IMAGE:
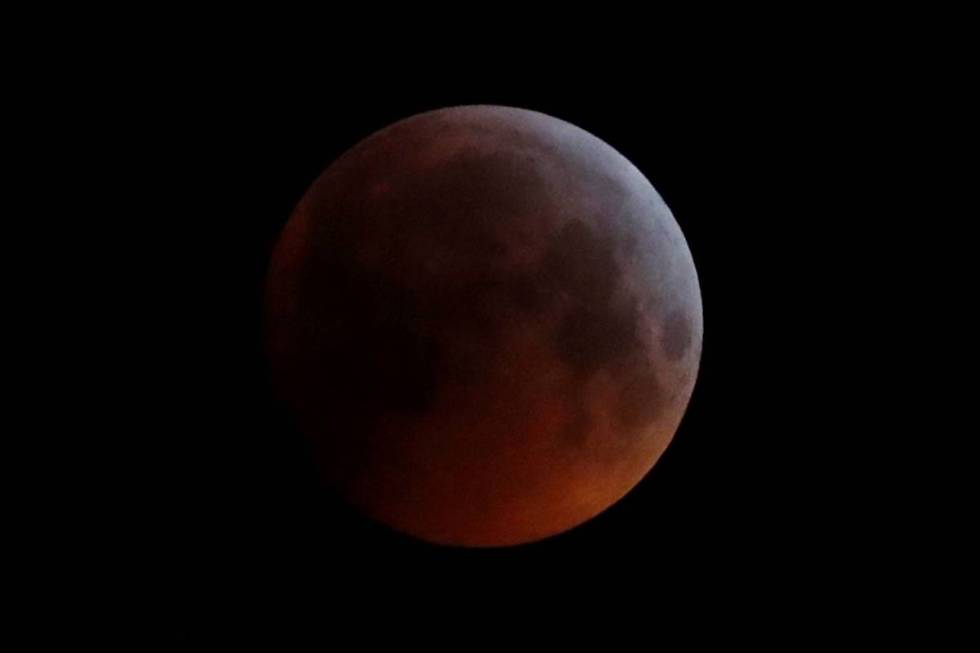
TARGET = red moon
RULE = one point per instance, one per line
(487, 322)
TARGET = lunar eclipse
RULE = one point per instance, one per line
(487, 323)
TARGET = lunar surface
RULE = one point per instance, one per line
(487, 322)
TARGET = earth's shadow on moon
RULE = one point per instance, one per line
(493, 380)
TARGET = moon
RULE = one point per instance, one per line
(487, 322)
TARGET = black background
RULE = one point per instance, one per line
(746, 502)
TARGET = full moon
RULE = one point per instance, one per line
(487, 322)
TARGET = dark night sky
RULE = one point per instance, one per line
(739, 499)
